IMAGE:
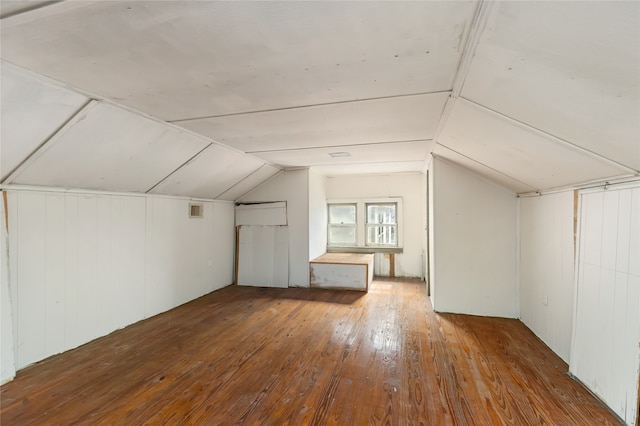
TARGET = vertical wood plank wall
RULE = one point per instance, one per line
(605, 354)
(83, 265)
(546, 269)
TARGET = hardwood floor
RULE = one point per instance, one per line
(304, 356)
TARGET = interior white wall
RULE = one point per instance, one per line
(546, 268)
(7, 358)
(605, 355)
(83, 265)
(474, 232)
(317, 214)
(291, 186)
(409, 186)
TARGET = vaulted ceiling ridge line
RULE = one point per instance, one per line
(75, 118)
(553, 138)
(477, 27)
(306, 148)
(478, 24)
(289, 108)
(533, 188)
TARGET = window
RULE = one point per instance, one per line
(342, 225)
(370, 224)
(382, 226)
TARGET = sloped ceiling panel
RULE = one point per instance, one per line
(243, 56)
(482, 170)
(571, 69)
(523, 154)
(213, 172)
(358, 154)
(264, 173)
(111, 149)
(362, 122)
(31, 112)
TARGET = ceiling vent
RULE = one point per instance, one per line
(195, 210)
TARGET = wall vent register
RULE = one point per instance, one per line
(195, 210)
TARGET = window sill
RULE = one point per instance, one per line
(354, 249)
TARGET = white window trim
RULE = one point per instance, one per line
(341, 225)
(361, 219)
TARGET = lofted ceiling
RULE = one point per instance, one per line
(209, 99)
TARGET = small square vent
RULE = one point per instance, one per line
(195, 210)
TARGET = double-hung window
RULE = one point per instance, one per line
(342, 229)
(373, 224)
(382, 224)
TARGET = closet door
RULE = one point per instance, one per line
(263, 256)
(605, 353)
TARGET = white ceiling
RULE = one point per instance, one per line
(533, 95)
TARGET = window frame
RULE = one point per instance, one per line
(361, 220)
(342, 225)
(369, 225)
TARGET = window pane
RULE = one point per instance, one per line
(342, 213)
(342, 235)
(381, 213)
(381, 235)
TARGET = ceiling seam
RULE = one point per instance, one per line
(556, 139)
(339, 146)
(242, 180)
(357, 164)
(533, 188)
(30, 8)
(75, 118)
(194, 157)
(350, 101)
(48, 80)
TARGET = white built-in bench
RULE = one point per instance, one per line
(344, 271)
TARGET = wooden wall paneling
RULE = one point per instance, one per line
(31, 287)
(264, 256)
(72, 283)
(54, 238)
(88, 300)
(223, 235)
(605, 352)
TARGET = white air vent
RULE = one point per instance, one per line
(195, 210)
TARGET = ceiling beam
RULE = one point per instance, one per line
(477, 26)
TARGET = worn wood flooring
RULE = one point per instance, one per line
(302, 356)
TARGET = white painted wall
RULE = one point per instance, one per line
(317, 214)
(293, 187)
(7, 356)
(605, 351)
(546, 268)
(409, 186)
(474, 231)
(83, 265)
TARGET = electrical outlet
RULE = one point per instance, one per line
(545, 299)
